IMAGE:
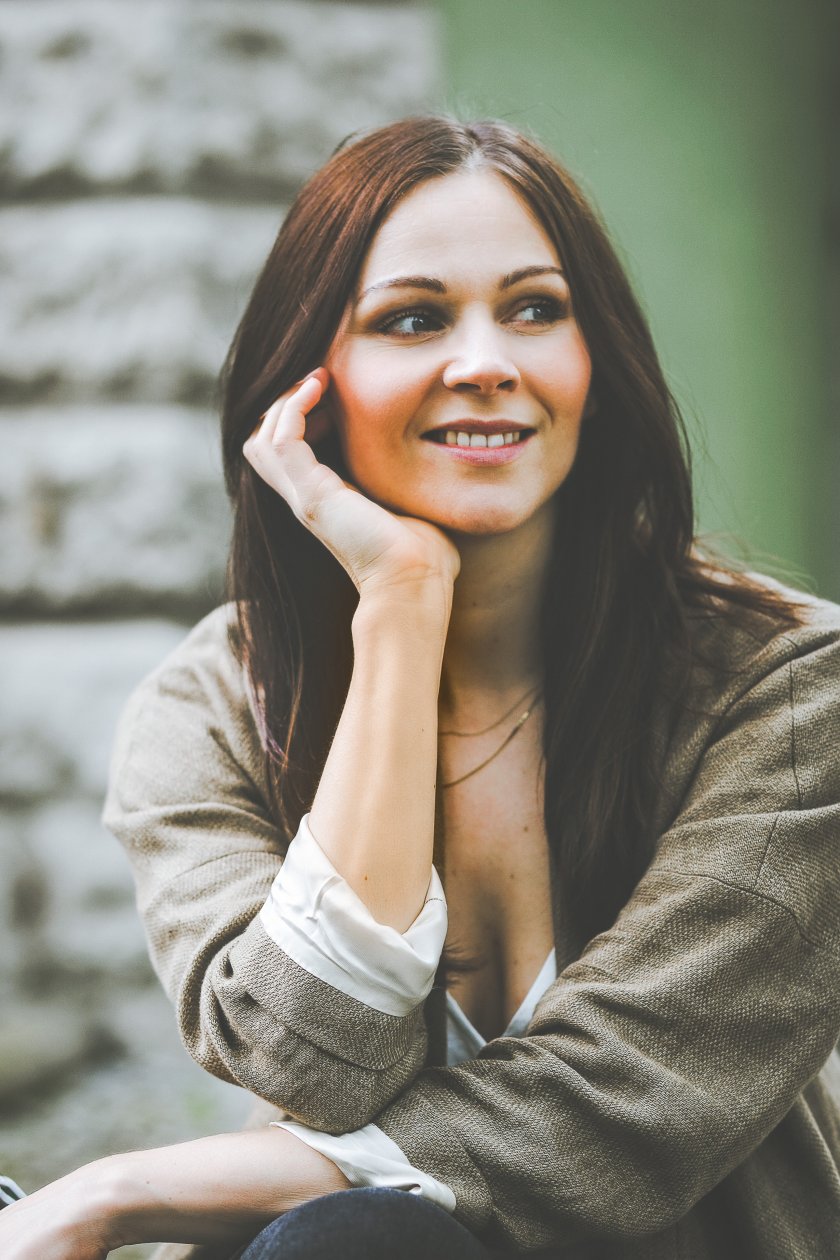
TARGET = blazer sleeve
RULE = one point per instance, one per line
(680, 1038)
(187, 799)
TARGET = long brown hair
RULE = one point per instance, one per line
(624, 574)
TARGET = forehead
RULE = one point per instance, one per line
(466, 221)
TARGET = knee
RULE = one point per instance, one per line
(367, 1223)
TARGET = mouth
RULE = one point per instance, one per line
(484, 445)
(479, 435)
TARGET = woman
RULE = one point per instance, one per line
(474, 664)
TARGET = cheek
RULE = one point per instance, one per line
(579, 362)
(364, 413)
(372, 399)
(572, 388)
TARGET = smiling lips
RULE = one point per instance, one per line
(458, 437)
(481, 442)
(479, 433)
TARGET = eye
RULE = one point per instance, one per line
(542, 310)
(415, 322)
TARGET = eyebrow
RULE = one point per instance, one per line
(431, 285)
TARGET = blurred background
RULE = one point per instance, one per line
(147, 155)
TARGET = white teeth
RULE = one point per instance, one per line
(453, 437)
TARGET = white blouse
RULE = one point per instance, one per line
(314, 916)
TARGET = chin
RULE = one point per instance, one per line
(485, 527)
(490, 522)
(491, 518)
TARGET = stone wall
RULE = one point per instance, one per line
(147, 153)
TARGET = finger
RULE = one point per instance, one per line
(286, 418)
(319, 420)
(302, 394)
(281, 456)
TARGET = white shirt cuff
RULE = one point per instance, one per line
(368, 1157)
(314, 916)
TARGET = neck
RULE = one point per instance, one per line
(493, 651)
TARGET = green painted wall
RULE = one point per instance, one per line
(702, 132)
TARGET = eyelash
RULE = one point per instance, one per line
(556, 309)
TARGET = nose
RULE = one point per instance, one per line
(481, 361)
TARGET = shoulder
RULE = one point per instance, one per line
(204, 671)
(211, 644)
(738, 650)
(750, 784)
(759, 723)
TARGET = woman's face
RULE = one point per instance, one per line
(459, 374)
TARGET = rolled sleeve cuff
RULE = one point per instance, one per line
(314, 916)
(368, 1157)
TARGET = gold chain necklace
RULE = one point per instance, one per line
(498, 720)
(519, 723)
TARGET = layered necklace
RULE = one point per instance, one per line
(534, 695)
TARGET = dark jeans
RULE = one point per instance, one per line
(368, 1223)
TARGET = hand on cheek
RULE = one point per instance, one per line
(320, 420)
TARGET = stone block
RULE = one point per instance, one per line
(203, 95)
(88, 928)
(111, 509)
(125, 299)
(63, 687)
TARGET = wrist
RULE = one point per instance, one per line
(88, 1203)
(418, 609)
(134, 1199)
(116, 1197)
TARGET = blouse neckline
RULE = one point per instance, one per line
(464, 1040)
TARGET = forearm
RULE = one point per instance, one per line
(244, 1005)
(373, 813)
(215, 1189)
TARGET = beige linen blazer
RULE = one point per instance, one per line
(678, 1090)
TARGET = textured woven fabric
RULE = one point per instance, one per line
(678, 1092)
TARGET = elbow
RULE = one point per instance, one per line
(324, 1090)
(337, 1114)
(334, 1095)
(288, 1038)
